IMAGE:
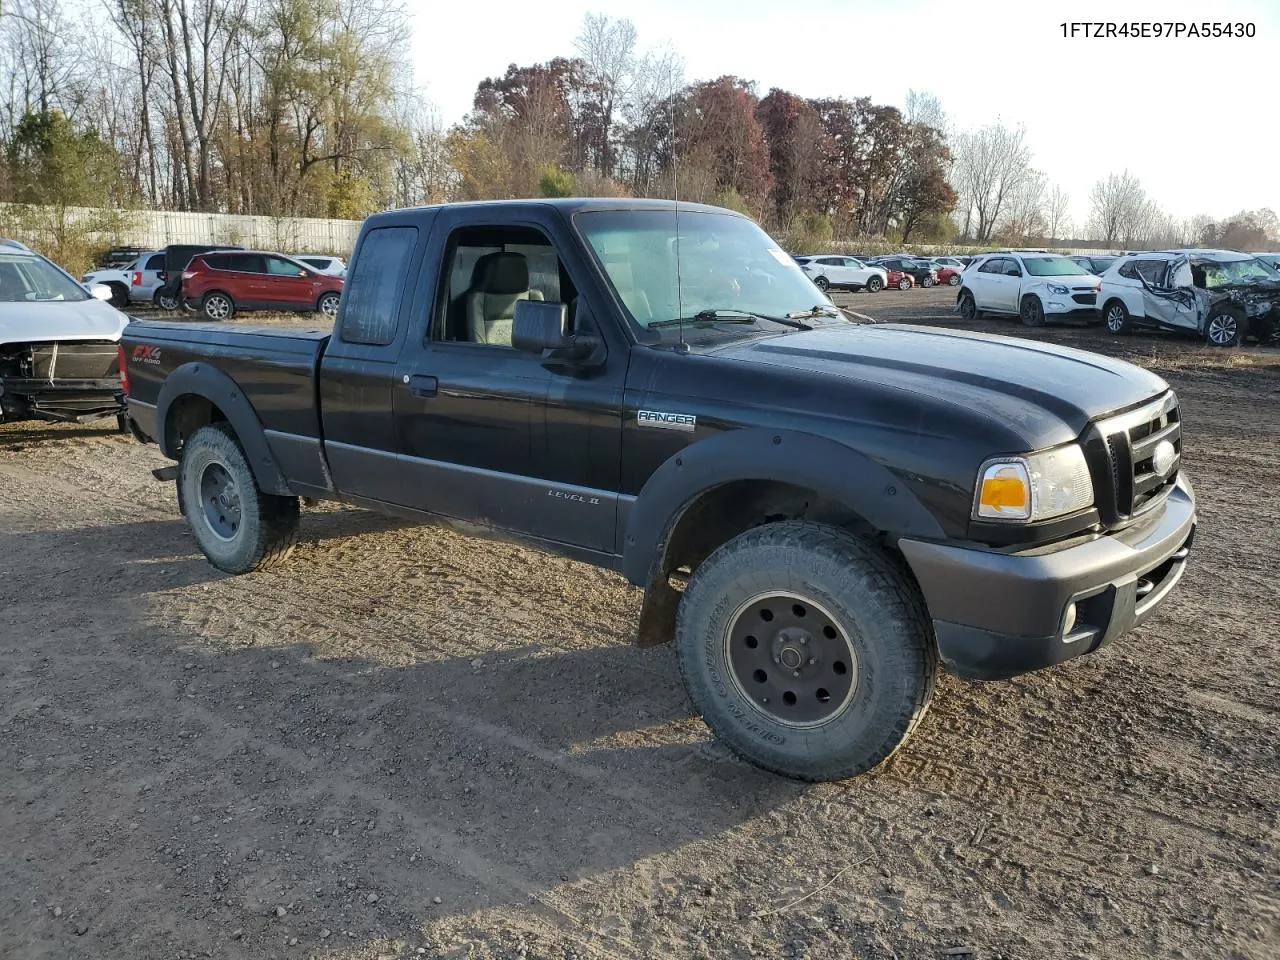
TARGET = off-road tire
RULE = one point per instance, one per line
(268, 527)
(1224, 327)
(1117, 318)
(874, 284)
(1031, 311)
(872, 597)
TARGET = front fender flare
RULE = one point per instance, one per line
(205, 380)
(830, 468)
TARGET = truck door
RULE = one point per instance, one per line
(491, 435)
(358, 370)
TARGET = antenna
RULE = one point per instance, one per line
(681, 346)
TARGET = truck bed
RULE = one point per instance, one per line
(276, 368)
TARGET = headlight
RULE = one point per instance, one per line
(1059, 289)
(1039, 486)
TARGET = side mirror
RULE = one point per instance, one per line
(542, 327)
(100, 291)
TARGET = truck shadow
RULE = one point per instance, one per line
(323, 779)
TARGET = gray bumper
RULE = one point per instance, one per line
(997, 615)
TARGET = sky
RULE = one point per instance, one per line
(1196, 120)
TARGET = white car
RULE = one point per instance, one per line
(1033, 286)
(842, 273)
(952, 262)
(1220, 295)
(117, 281)
(329, 266)
(59, 344)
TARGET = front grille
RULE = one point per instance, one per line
(1122, 458)
(1089, 299)
(85, 360)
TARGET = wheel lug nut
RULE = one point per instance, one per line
(795, 673)
(804, 639)
(812, 661)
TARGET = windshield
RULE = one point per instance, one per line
(725, 263)
(33, 279)
(1052, 267)
(1226, 273)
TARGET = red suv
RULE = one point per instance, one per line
(221, 282)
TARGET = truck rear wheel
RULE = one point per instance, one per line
(807, 650)
(238, 527)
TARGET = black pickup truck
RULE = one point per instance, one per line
(820, 511)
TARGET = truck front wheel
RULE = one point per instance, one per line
(807, 650)
(238, 527)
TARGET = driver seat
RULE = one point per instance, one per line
(498, 281)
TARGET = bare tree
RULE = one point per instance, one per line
(991, 163)
(1119, 208)
(1024, 216)
(607, 47)
(1057, 213)
(925, 108)
(658, 78)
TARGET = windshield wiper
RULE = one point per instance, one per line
(730, 316)
(818, 310)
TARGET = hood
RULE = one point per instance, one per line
(1046, 394)
(90, 319)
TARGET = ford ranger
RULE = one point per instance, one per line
(822, 513)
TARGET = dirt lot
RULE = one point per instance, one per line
(407, 743)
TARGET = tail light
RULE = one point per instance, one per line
(137, 278)
(124, 370)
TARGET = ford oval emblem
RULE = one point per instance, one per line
(1162, 458)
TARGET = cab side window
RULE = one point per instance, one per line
(487, 271)
(1127, 271)
(1151, 271)
(994, 265)
(1012, 268)
(280, 267)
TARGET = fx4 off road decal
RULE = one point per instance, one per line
(145, 353)
(685, 422)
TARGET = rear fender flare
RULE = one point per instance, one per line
(829, 468)
(204, 380)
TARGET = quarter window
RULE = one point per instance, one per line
(371, 300)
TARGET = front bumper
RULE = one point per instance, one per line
(76, 401)
(997, 615)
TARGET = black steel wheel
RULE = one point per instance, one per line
(791, 657)
(238, 526)
(807, 650)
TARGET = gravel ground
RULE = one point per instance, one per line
(406, 743)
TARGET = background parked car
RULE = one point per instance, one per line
(955, 263)
(1221, 295)
(920, 271)
(117, 258)
(842, 273)
(1097, 265)
(220, 283)
(146, 277)
(1032, 286)
(948, 275)
(330, 266)
(117, 281)
(176, 258)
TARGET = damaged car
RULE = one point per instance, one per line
(59, 344)
(1221, 296)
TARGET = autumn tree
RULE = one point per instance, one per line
(799, 151)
